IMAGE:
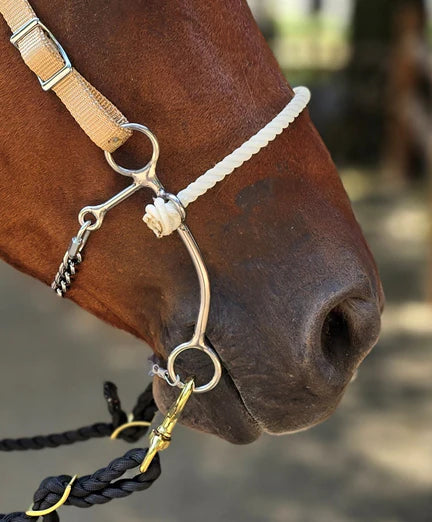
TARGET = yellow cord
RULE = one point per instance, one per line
(65, 496)
(127, 425)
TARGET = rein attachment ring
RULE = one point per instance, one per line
(203, 348)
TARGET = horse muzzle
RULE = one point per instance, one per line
(279, 378)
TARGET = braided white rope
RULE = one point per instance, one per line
(163, 218)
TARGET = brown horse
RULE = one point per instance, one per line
(296, 295)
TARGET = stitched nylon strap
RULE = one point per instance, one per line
(96, 115)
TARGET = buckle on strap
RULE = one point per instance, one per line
(58, 76)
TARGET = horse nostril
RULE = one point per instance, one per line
(349, 332)
(335, 338)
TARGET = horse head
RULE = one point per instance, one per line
(296, 297)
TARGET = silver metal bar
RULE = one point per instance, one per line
(98, 212)
(23, 31)
(198, 341)
(204, 283)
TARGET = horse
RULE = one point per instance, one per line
(296, 295)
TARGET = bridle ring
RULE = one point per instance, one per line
(178, 205)
(203, 348)
(155, 155)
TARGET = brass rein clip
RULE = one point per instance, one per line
(160, 437)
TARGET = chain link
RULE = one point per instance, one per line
(71, 259)
(65, 274)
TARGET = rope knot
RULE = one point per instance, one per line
(162, 217)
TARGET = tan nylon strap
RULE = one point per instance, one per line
(96, 115)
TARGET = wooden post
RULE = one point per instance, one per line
(404, 86)
(429, 272)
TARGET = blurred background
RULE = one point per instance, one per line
(369, 66)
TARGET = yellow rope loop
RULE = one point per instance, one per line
(132, 424)
(65, 496)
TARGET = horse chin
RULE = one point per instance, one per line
(223, 412)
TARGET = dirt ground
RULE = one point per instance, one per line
(371, 462)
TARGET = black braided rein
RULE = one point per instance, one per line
(105, 484)
(98, 488)
(144, 410)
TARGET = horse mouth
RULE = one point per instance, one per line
(276, 396)
(225, 411)
(221, 411)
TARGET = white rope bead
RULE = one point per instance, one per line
(163, 218)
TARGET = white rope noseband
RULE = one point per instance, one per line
(163, 217)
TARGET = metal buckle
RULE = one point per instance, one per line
(57, 77)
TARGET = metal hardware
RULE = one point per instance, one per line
(160, 438)
(163, 374)
(198, 339)
(65, 496)
(208, 351)
(175, 201)
(58, 76)
(148, 170)
(91, 217)
(146, 177)
(71, 259)
(24, 30)
(98, 212)
(126, 425)
(79, 241)
(143, 177)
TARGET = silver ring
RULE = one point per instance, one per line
(155, 156)
(84, 227)
(208, 351)
(92, 225)
(167, 196)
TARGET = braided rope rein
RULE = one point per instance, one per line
(162, 216)
(105, 484)
(144, 410)
(100, 487)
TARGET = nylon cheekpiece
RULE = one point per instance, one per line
(96, 115)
